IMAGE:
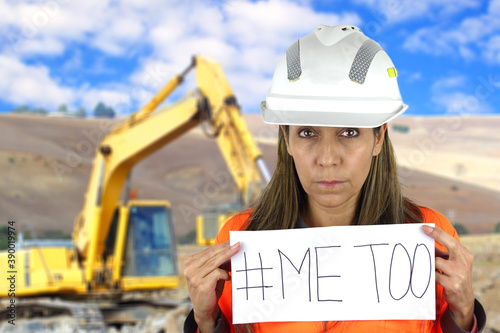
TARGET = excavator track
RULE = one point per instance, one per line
(34, 316)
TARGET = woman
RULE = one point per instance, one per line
(333, 94)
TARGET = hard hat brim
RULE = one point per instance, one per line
(351, 118)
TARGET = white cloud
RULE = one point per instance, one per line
(467, 38)
(459, 103)
(455, 95)
(449, 82)
(40, 46)
(495, 7)
(389, 11)
(24, 84)
(277, 22)
(492, 49)
(466, 52)
(118, 37)
(39, 21)
(246, 38)
(35, 85)
(154, 73)
(424, 40)
(416, 76)
(73, 64)
(252, 87)
(118, 98)
(257, 59)
(105, 25)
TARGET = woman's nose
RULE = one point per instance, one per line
(328, 152)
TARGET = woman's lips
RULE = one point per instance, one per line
(330, 183)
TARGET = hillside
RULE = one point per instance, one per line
(45, 164)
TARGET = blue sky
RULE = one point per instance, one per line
(121, 52)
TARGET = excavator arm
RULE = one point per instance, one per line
(152, 128)
(242, 156)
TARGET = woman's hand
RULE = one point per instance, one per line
(205, 273)
(455, 276)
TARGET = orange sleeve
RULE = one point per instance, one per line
(237, 222)
(432, 216)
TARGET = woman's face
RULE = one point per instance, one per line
(333, 162)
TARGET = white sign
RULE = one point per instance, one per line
(380, 272)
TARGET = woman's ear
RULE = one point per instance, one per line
(379, 140)
(285, 135)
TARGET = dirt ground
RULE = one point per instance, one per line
(486, 279)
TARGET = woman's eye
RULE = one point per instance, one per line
(305, 133)
(350, 133)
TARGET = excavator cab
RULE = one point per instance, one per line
(149, 250)
(211, 220)
(145, 257)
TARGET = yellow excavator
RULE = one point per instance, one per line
(122, 246)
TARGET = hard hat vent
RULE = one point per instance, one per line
(293, 62)
(362, 60)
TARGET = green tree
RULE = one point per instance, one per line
(63, 108)
(3, 238)
(40, 111)
(461, 229)
(497, 228)
(26, 109)
(21, 109)
(103, 111)
(81, 113)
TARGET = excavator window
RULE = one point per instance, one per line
(149, 250)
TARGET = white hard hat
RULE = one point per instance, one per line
(335, 76)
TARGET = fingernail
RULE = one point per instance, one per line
(235, 246)
(428, 230)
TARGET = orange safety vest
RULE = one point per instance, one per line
(372, 326)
